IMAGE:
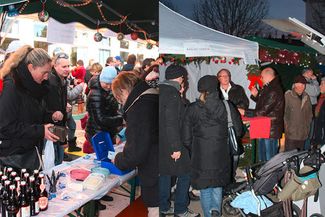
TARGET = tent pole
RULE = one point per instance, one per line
(83, 14)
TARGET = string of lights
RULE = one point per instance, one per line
(99, 5)
(23, 7)
(65, 4)
(137, 30)
(112, 23)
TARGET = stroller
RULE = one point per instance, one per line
(262, 183)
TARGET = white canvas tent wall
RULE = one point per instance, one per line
(180, 35)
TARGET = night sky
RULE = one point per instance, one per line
(280, 9)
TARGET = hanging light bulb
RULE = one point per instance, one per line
(12, 11)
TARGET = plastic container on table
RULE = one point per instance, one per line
(102, 144)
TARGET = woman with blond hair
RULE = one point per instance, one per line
(96, 69)
(22, 115)
(141, 113)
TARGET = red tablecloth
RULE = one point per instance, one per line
(259, 127)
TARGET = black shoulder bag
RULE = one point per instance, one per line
(236, 148)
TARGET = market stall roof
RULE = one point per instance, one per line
(277, 45)
(305, 33)
(180, 35)
(141, 14)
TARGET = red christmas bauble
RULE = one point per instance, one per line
(43, 16)
(134, 36)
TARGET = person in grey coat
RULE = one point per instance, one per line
(313, 90)
(297, 115)
(72, 94)
(312, 86)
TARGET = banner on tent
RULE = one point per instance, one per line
(199, 48)
(195, 48)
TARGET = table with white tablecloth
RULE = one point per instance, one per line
(68, 199)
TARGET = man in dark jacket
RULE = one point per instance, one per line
(269, 103)
(231, 91)
(235, 94)
(173, 156)
(56, 99)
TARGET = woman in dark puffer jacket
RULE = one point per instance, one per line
(102, 107)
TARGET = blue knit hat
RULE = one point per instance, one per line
(108, 74)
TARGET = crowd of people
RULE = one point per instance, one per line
(170, 140)
(38, 95)
(193, 138)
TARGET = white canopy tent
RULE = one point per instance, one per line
(180, 35)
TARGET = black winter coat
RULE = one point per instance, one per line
(205, 133)
(102, 109)
(237, 96)
(141, 148)
(171, 113)
(22, 115)
(56, 99)
(270, 103)
(319, 132)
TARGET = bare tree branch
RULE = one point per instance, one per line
(169, 4)
(318, 16)
(235, 17)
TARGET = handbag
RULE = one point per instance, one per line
(298, 188)
(236, 148)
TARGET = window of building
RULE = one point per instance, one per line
(140, 57)
(124, 55)
(10, 26)
(40, 30)
(40, 44)
(73, 56)
(106, 42)
(103, 54)
(6, 43)
(140, 45)
(124, 44)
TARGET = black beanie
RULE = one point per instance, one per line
(208, 83)
(174, 71)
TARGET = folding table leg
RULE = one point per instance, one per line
(133, 187)
(89, 209)
(254, 145)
